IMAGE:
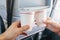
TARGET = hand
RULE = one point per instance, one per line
(14, 30)
(52, 25)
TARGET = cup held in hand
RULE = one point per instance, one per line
(27, 18)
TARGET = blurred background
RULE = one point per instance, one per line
(8, 12)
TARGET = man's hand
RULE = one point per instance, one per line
(52, 25)
(14, 30)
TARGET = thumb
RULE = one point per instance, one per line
(24, 28)
(16, 23)
(53, 23)
(49, 21)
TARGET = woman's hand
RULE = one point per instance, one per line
(52, 25)
(14, 30)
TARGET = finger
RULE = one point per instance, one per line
(53, 23)
(48, 19)
(49, 22)
(16, 24)
(23, 33)
(24, 28)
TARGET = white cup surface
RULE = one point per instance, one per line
(40, 16)
(27, 18)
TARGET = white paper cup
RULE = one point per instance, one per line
(27, 18)
(40, 16)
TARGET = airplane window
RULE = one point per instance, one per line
(56, 12)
